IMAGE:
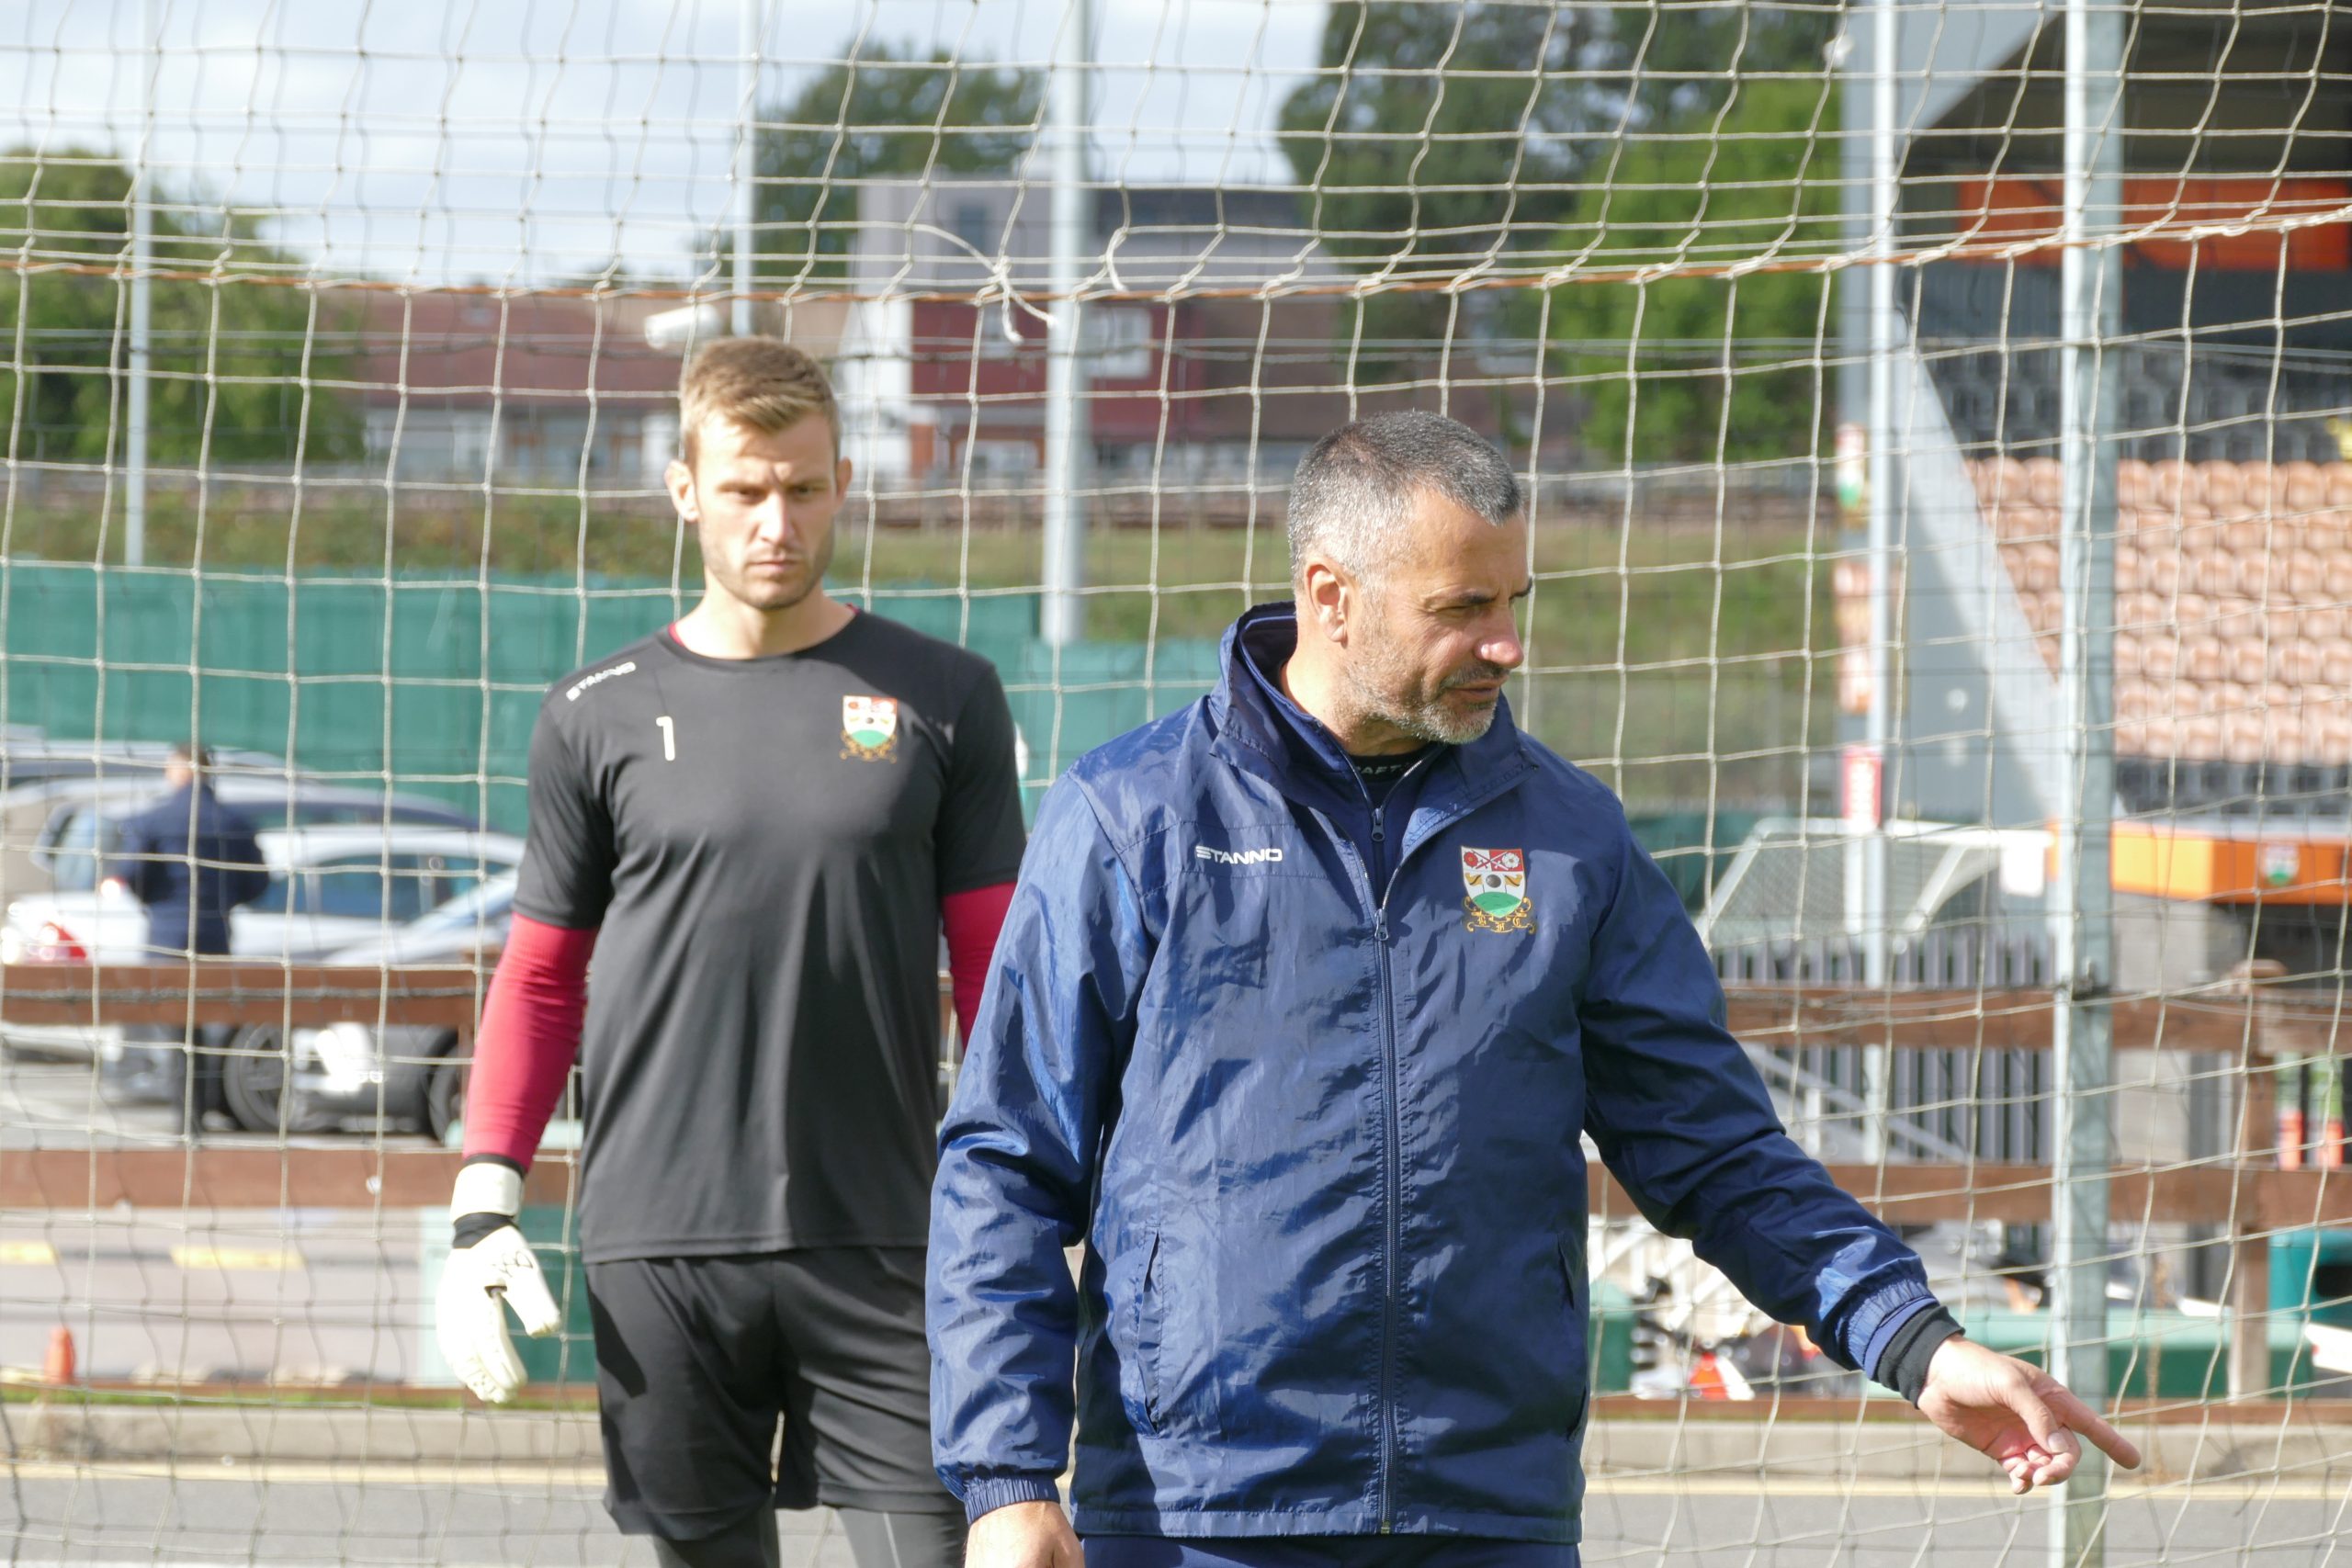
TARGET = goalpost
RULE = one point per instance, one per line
(1937, 416)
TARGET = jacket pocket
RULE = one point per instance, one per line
(1573, 1286)
(1142, 1390)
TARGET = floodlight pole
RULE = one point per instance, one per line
(2082, 923)
(747, 163)
(142, 249)
(1063, 614)
(1885, 501)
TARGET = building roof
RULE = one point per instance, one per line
(469, 347)
(916, 236)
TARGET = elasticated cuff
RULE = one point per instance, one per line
(1902, 1366)
(1867, 1329)
(986, 1496)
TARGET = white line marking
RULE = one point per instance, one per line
(539, 1475)
(532, 1473)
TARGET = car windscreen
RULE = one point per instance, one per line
(81, 839)
(77, 844)
(380, 889)
(488, 909)
(266, 814)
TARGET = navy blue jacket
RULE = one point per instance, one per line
(190, 860)
(1320, 1139)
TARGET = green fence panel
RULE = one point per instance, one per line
(431, 685)
(1071, 699)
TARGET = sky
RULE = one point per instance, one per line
(521, 141)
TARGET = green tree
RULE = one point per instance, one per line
(1436, 133)
(1658, 357)
(1433, 133)
(227, 348)
(882, 113)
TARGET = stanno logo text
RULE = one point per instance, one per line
(1236, 857)
(587, 680)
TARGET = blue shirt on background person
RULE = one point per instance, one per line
(190, 860)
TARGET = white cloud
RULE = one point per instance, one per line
(444, 140)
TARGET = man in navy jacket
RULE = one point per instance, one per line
(1305, 994)
(190, 860)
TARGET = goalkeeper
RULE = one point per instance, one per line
(759, 820)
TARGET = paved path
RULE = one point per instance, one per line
(461, 1516)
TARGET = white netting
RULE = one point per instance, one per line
(337, 352)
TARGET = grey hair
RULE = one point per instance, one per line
(1356, 488)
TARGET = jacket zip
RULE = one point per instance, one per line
(1395, 1131)
(1392, 1130)
(1391, 1157)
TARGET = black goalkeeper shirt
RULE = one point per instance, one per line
(764, 843)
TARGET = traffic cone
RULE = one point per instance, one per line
(1707, 1379)
(57, 1367)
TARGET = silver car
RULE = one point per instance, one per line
(392, 1076)
(330, 887)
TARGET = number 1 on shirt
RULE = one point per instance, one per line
(669, 738)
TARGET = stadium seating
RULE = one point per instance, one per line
(2233, 623)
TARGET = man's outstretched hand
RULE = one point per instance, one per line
(1023, 1535)
(2018, 1416)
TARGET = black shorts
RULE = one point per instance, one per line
(698, 1357)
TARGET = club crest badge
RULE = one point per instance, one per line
(1493, 883)
(869, 729)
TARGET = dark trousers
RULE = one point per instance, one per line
(188, 1058)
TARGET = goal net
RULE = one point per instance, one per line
(1936, 417)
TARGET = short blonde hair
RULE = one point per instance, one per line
(760, 383)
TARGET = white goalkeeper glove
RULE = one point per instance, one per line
(497, 1266)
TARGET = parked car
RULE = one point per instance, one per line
(330, 887)
(27, 756)
(398, 1076)
(83, 829)
(38, 775)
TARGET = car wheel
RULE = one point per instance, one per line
(252, 1082)
(445, 1097)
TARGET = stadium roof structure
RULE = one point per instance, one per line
(2233, 511)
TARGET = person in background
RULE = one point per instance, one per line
(190, 860)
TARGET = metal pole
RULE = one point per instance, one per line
(1885, 500)
(2090, 318)
(1063, 614)
(747, 164)
(142, 248)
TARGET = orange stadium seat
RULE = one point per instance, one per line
(2216, 575)
(2045, 482)
(2232, 613)
(2224, 489)
(2296, 662)
(2170, 483)
(2198, 738)
(2322, 622)
(2243, 536)
(2203, 658)
(2244, 733)
(2132, 487)
(2304, 487)
(2304, 577)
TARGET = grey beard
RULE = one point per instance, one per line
(1427, 722)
